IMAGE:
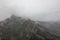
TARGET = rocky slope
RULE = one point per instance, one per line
(17, 28)
(54, 27)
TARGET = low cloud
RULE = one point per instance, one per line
(42, 10)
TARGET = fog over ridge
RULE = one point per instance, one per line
(42, 10)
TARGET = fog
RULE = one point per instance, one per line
(41, 10)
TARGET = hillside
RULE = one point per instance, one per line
(18, 28)
(54, 27)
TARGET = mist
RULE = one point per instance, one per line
(41, 10)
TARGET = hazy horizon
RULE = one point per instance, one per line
(42, 10)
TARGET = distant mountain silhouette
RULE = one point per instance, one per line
(18, 28)
(52, 26)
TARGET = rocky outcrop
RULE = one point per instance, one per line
(17, 28)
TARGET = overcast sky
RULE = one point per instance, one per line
(42, 10)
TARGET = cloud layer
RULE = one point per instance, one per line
(42, 10)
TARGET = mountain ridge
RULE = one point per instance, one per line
(24, 29)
